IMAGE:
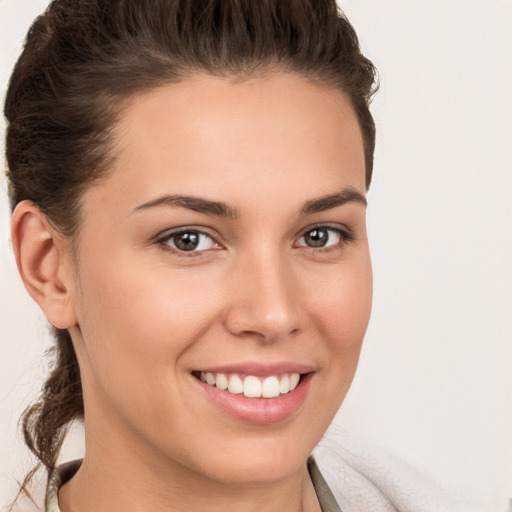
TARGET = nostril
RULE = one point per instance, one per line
(269, 327)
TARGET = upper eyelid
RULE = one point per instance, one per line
(166, 233)
(326, 225)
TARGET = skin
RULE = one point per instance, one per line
(143, 316)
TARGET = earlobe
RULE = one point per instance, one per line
(43, 264)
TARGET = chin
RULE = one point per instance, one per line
(262, 462)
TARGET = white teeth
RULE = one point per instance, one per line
(221, 381)
(284, 385)
(270, 387)
(294, 380)
(251, 386)
(235, 385)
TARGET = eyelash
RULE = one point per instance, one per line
(169, 236)
(345, 236)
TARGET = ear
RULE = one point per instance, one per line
(43, 257)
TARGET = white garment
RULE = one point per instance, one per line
(366, 477)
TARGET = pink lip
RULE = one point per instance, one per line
(260, 369)
(258, 410)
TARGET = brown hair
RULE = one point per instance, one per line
(83, 57)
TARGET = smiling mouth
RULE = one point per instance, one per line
(251, 386)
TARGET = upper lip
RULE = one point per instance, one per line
(259, 369)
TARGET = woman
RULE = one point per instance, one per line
(188, 186)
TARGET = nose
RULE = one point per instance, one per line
(264, 303)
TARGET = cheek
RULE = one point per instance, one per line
(138, 297)
(340, 310)
(135, 325)
(342, 306)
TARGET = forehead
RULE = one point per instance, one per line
(211, 135)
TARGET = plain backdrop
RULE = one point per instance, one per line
(434, 386)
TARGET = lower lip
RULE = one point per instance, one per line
(259, 410)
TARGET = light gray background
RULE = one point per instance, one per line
(434, 386)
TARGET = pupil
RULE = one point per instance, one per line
(316, 237)
(186, 241)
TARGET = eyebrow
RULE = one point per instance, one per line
(221, 209)
(196, 204)
(330, 201)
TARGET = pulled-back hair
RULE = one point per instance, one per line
(83, 58)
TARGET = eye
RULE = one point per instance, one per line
(321, 237)
(189, 240)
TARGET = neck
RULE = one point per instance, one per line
(120, 480)
(116, 489)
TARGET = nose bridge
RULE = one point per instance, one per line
(265, 300)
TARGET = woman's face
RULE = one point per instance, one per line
(228, 244)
